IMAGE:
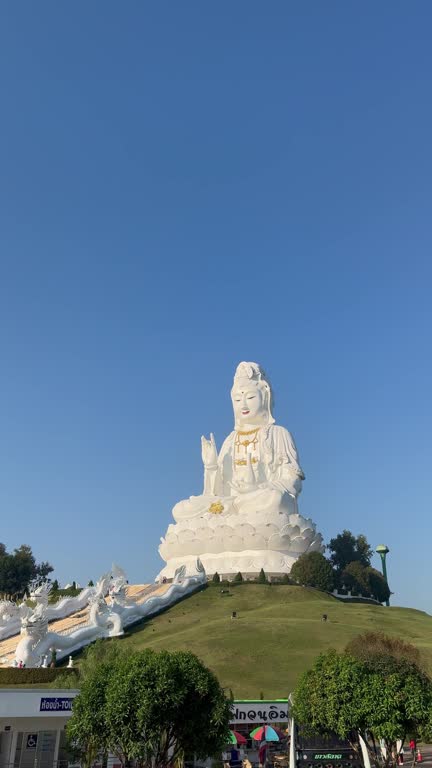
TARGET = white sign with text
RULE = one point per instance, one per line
(259, 712)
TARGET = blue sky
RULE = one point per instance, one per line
(187, 185)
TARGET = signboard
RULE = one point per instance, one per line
(258, 712)
(31, 741)
(57, 704)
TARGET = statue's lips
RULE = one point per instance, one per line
(245, 413)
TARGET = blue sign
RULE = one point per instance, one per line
(57, 704)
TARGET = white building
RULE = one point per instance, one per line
(33, 723)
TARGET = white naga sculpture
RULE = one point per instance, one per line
(37, 641)
(247, 516)
(11, 613)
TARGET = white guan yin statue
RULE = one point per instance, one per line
(247, 516)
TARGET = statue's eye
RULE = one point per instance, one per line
(250, 397)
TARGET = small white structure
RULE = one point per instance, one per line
(247, 516)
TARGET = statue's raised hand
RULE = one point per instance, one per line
(209, 452)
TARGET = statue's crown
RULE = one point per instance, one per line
(251, 371)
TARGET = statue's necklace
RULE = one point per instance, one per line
(246, 443)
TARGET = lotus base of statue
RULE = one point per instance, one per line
(233, 546)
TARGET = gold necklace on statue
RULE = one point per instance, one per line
(239, 444)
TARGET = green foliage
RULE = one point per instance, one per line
(55, 586)
(285, 579)
(91, 583)
(149, 707)
(347, 548)
(262, 578)
(37, 676)
(378, 585)
(328, 696)
(216, 578)
(56, 595)
(18, 569)
(366, 581)
(238, 578)
(313, 570)
(388, 695)
(356, 578)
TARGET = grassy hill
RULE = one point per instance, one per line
(276, 636)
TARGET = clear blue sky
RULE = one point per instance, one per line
(185, 185)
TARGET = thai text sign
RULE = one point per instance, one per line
(259, 712)
(57, 704)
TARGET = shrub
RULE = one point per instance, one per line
(262, 578)
(14, 676)
(313, 570)
(238, 578)
(216, 578)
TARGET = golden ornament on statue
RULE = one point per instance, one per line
(216, 508)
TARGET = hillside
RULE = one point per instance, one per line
(277, 633)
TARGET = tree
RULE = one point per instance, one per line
(151, 708)
(355, 576)
(285, 579)
(18, 569)
(91, 583)
(238, 578)
(216, 578)
(55, 586)
(313, 570)
(366, 581)
(378, 585)
(262, 578)
(371, 647)
(385, 695)
(347, 548)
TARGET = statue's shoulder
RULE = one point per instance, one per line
(277, 432)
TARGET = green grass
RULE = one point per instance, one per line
(277, 635)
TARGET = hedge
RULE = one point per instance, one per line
(15, 676)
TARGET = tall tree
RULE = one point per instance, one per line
(347, 548)
(151, 708)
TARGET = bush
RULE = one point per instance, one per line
(238, 578)
(56, 595)
(313, 570)
(14, 676)
(262, 578)
(216, 578)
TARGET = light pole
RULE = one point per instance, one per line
(383, 551)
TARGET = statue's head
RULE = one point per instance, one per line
(251, 397)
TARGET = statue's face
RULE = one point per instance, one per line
(248, 404)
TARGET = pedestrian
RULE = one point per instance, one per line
(412, 746)
(262, 754)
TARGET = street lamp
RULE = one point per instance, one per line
(383, 551)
